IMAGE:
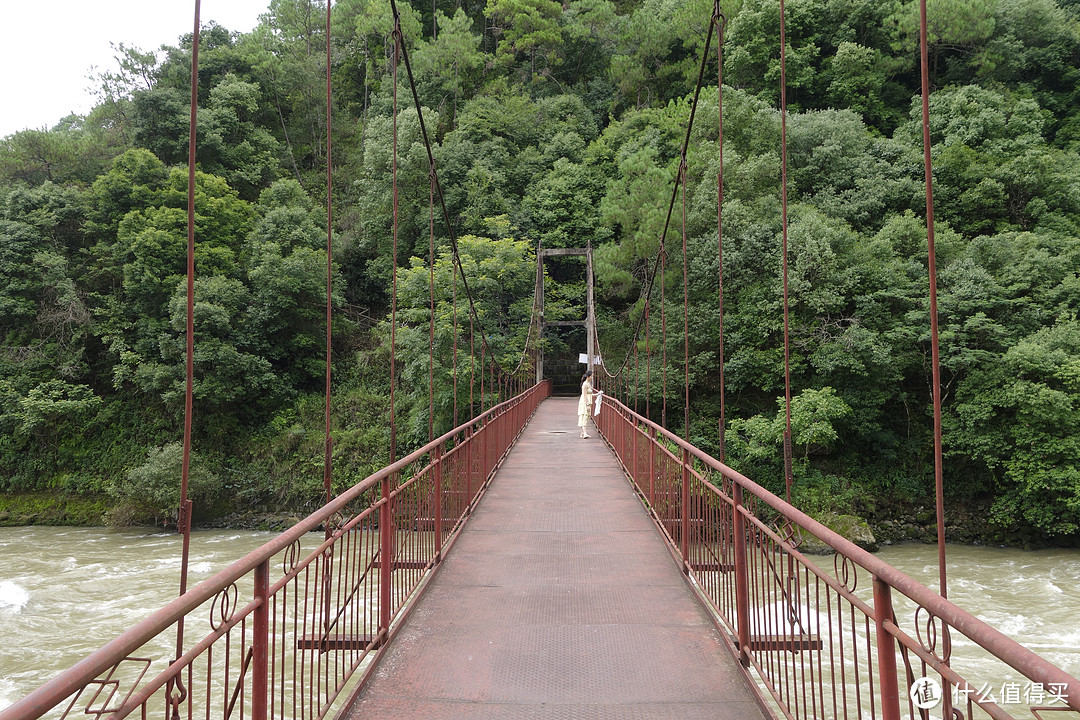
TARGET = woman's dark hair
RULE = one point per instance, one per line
(588, 374)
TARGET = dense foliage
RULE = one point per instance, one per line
(560, 124)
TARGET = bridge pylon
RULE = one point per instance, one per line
(589, 323)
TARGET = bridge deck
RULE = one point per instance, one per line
(559, 600)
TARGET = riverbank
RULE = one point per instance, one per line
(58, 509)
(966, 522)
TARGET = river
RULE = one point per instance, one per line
(64, 592)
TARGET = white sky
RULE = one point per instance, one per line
(48, 47)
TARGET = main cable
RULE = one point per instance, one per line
(442, 200)
(647, 291)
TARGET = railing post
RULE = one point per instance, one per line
(634, 450)
(617, 425)
(260, 641)
(684, 542)
(479, 455)
(485, 443)
(468, 467)
(626, 425)
(491, 440)
(652, 468)
(386, 554)
(613, 431)
(742, 578)
(886, 647)
(437, 471)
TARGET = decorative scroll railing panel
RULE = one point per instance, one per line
(845, 636)
(295, 625)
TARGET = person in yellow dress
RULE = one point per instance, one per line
(584, 406)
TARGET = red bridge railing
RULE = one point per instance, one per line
(853, 639)
(295, 625)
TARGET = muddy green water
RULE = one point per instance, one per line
(64, 592)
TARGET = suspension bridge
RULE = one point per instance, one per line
(508, 568)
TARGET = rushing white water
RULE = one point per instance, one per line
(13, 597)
(1031, 596)
(65, 592)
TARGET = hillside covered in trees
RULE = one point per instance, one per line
(561, 124)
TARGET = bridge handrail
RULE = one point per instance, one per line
(87, 670)
(992, 640)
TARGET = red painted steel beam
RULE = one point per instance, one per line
(886, 647)
(260, 675)
(54, 691)
(1000, 645)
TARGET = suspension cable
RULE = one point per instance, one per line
(175, 691)
(431, 320)
(685, 315)
(663, 335)
(438, 187)
(637, 377)
(648, 360)
(788, 476)
(453, 275)
(721, 22)
(396, 33)
(935, 355)
(184, 518)
(472, 370)
(327, 446)
(659, 259)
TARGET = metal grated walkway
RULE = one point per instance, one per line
(547, 609)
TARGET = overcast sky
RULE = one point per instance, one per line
(49, 48)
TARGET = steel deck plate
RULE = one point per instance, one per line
(559, 600)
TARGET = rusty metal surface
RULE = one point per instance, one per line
(558, 601)
(823, 641)
(317, 616)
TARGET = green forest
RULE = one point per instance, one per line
(557, 124)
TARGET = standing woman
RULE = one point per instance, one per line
(584, 406)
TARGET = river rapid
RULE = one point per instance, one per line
(65, 592)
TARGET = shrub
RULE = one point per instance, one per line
(153, 488)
